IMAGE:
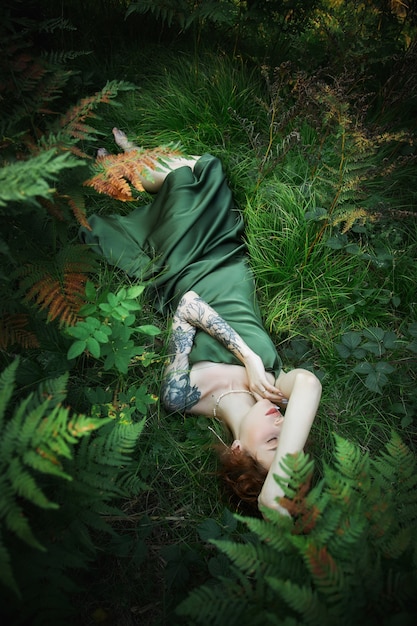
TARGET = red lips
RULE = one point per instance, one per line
(273, 409)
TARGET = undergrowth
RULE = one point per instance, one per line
(321, 161)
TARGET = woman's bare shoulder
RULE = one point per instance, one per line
(212, 379)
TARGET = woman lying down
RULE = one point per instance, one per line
(222, 362)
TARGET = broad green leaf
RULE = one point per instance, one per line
(90, 290)
(412, 346)
(87, 309)
(352, 339)
(135, 291)
(363, 368)
(352, 248)
(374, 333)
(93, 346)
(76, 349)
(373, 347)
(101, 336)
(148, 329)
(80, 331)
(112, 300)
(384, 368)
(390, 340)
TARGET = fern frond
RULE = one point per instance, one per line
(299, 468)
(7, 384)
(167, 11)
(116, 443)
(351, 462)
(53, 208)
(115, 172)
(303, 600)
(6, 573)
(399, 456)
(272, 534)
(399, 543)
(348, 535)
(13, 517)
(14, 331)
(25, 486)
(39, 432)
(73, 122)
(25, 181)
(248, 557)
(327, 576)
(350, 216)
(58, 286)
(217, 605)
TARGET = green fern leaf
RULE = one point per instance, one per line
(25, 486)
(7, 378)
(351, 462)
(14, 518)
(277, 536)
(399, 543)
(6, 573)
(25, 181)
(248, 557)
(216, 605)
(326, 574)
(303, 600)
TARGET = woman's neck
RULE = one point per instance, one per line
(231, 406)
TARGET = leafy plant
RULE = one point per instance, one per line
(114, 173)
(185, 13)
(383, 347)
(36, 438)
(42, 168)
(348, 554)
(106, 329)
(57, 483)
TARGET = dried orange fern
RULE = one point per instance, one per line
(73, 123)
(57, 207)
(116, 173)
(58, 286)
(14, 331)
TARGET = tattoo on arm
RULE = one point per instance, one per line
(198, 313)
(192, 313)
(177, 392)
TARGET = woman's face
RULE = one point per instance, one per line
(260, 431)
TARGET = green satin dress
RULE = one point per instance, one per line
(190, 238)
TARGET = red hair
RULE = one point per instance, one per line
(243, 477)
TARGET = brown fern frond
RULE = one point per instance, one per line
(58, 285)
(13, 331)
(116, 172)
(76, 133)
(81, 110)
(77, 205)
(41, 288)
(77, 152)
(51, 294)
(53, 209)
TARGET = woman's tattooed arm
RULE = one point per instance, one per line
(196, 312)
(177, 392)
(193, 312)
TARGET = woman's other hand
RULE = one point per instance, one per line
(258, 381)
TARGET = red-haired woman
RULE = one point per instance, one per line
(222, 362)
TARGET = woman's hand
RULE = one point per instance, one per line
(258, 381)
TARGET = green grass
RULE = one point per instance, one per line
(310, 295)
